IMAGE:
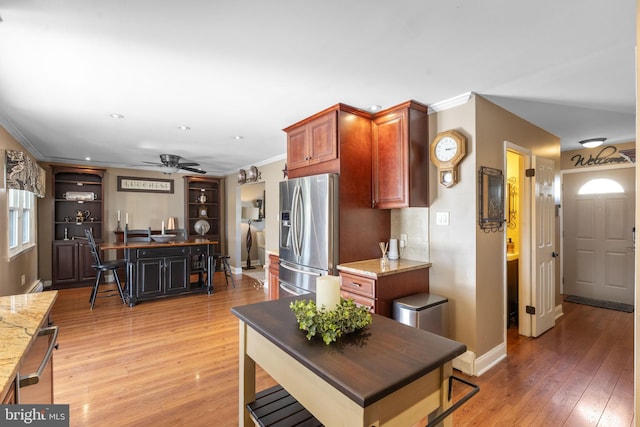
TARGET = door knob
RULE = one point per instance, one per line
(555, 254)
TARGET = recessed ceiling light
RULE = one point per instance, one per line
(184, 128)
(375, 107)
(87, 158)
(116, 116)
(238, 137)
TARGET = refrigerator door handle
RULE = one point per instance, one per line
(310, 273)
(297, 221)
(290, 289)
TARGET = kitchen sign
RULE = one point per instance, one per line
(146, 185)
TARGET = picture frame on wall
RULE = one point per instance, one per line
(145, 185)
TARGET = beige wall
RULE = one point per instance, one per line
(144, 209)
(12, 270)
(469, 264)
(271, 175)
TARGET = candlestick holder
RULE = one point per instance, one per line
(118, 228)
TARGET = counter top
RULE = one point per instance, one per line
(365, 366)
(21, 316)
(374, 269)
(144, 245)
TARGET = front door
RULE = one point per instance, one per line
(598, 234)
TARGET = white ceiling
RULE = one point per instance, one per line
(253, 67)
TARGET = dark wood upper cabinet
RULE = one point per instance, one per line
(313, 141)
(338, 140)
(401, 157)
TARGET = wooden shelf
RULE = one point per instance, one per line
(212, 189)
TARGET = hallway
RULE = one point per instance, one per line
(579, 373)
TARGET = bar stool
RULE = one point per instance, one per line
(224, 265)
(102, 267)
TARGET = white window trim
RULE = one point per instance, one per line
(22, 246)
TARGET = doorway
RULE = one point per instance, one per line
(529, 244)
(252, 205)
(513, 228)
(598, 226)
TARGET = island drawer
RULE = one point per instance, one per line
(357, 284)
(197, 250)
(162, 252)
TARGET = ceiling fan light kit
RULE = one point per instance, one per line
(170, 163)
(593, 142)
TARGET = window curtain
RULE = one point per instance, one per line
(24, 173)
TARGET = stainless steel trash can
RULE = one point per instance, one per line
(424, 311)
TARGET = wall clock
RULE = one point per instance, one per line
(447, 150)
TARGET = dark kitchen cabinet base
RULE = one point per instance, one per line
(167, 271)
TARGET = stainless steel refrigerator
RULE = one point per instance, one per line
(308, 232)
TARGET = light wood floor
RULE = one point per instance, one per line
(174, 362)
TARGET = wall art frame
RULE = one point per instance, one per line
(145, 185)
(491, 199)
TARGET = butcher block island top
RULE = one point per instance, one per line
(374, 268)
(363, 367)
(21, 316)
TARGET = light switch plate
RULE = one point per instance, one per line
(442, 218)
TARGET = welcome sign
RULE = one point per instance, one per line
(601, 156)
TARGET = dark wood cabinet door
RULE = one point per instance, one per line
(86, 271)
(274, 277)
(390, 160)
(400, 150)
(297, 148)
(323, 138)
(313, 142)
(65, 262)
(176, 274)
(149, 277)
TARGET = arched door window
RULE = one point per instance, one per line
(601, 186)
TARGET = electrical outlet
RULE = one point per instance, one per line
(403, 240)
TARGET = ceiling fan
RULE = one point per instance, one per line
(171, 164)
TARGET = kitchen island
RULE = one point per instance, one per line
(388, 374)
(21, 317)
(156, 269)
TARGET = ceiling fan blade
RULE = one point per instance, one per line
(181, 166)
(188, 164)
(153, 163)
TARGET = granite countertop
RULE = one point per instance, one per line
(21, 316)
(374, 268)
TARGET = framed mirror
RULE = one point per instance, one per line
(491, 203)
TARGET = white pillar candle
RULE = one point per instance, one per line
(126, 218)
(118, 214)
(327, 292)
(162, 227)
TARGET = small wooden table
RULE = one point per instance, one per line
(390, 374)
(156, 269)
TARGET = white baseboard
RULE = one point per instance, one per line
(559, 312)
(491, 358)
(469, 364)
(465, 363)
